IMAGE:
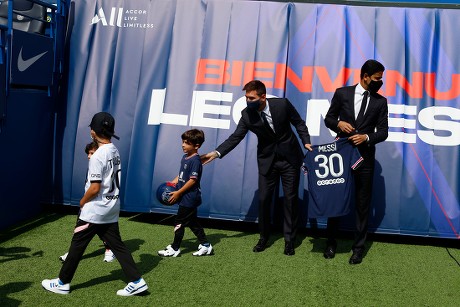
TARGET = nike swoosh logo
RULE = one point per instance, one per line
(24, 64)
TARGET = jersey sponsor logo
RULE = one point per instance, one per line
(111, 197)
(95, 175)
(330, 181)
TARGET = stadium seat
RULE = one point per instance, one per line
(23, 10)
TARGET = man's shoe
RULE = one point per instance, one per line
(133, 288)
(203, 250)
(63, 257)
(169, 252)
(329, 252)
(108, 256)
(357, 257)
(260, 246)
(56, 286)
(289, 249)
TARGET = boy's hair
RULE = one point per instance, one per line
(370, 67)
(255, 85)
(193, 136)
(91, 146)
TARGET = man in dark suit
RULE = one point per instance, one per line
(361, 114)
(279, 155)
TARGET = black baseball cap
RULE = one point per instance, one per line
(103, 123)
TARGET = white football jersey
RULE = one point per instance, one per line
(104, 167)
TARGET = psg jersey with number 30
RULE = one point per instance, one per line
(330, 178)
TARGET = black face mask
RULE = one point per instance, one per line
(374, 86)
(253, 105)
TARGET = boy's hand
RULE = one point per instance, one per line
(174, 197)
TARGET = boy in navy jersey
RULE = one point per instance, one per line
(188, 196)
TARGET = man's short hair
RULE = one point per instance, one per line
(370, 67)
(193, 136)
(255, 85)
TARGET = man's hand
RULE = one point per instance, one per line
(206, 158)
(345, 127)
(308, 147)
(358, 139)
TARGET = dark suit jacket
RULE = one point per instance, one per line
(283, 143)
(375, 123)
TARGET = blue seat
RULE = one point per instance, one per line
(25, 15)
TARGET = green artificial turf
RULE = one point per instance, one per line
(392, 273)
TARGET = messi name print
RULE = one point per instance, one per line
(330, 178)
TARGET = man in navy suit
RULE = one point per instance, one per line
(279, 156)
(361, 114)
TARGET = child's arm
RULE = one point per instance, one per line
(92, 191)
(175, 196)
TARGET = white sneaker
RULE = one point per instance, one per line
(133, 288)
(63, 257)
(203, 250)
(169, 252)
(109, 256)
(53, 285)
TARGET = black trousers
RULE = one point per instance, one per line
(187, 217)
(76, 224)
(364, 178)
(83, 234)
(290, 176)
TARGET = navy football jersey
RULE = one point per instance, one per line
(330, 178)
(190, 167)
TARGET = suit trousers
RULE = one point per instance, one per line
(364, 178)
(290, 176)
(83, 234)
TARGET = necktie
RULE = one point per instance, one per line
(360, 117)
(264, 118)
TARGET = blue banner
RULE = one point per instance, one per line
(163, 67)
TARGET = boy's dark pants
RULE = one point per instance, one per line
(187, 217)
(83, 234)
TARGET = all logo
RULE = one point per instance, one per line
(122, 18)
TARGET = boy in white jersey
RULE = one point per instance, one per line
(90, 149)
(100, 208)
